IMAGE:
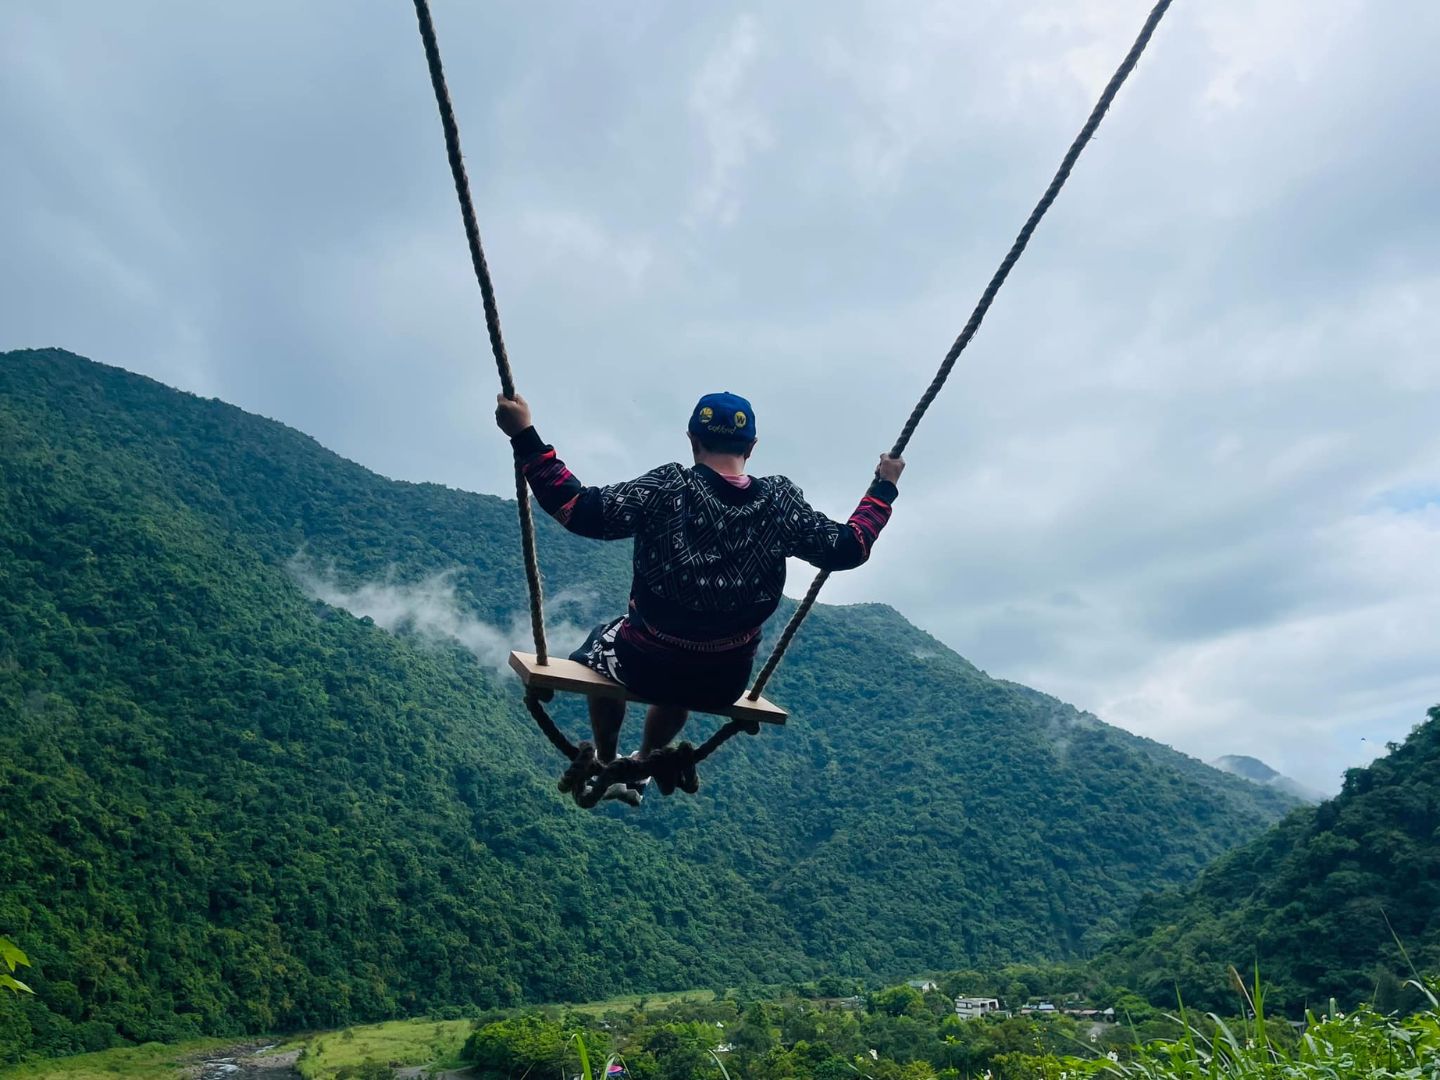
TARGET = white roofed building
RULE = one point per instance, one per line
(967, 1008)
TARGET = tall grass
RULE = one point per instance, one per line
(1362, 1045)
(583, 1052)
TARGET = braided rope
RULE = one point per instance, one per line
(982, 306)
(788, 634)
(534, 703)
(492, 315)
(672, 767)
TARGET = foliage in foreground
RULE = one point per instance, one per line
(902, 1034)
(11, 961)
(1337, 1046)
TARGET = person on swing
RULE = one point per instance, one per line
(709, 563)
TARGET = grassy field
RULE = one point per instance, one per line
(397, 1043)
(153, 1061)
(652, 1001)
(430, 1042)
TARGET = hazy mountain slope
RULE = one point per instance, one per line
(226, 807)
(1324, 902)
(1257, 772)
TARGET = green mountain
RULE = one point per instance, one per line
(226, 807)
(1340, 900)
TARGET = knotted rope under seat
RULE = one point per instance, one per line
(672, 768)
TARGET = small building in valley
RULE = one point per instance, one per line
(968, 1008)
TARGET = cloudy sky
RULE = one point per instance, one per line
(1187, 477)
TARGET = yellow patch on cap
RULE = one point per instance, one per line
(741, 419)
(707, 414)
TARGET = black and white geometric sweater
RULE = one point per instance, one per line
(710, 556)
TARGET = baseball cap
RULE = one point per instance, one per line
(726, 416)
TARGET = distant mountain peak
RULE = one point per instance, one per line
(1256, 771)
(1249, 767)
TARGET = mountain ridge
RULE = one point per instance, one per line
(1338, 900)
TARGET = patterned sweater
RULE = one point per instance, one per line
(709, 556)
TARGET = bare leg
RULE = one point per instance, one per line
(606, 717)
(662, 724)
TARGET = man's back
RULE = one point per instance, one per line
(710, 553)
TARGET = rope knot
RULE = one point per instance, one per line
(674, 767)
(584, 765)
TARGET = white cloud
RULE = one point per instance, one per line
(729, 118)
(1253, 44)
(431, 609)
(580, 253)
(1347, 663)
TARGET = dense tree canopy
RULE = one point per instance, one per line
(1341, 900)
(792, 1035)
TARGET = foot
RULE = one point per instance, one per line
(632, 792)
(623, 793)
(638, 787)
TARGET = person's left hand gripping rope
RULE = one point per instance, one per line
(512, 415)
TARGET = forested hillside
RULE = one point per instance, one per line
(1340, 900)
(226, 807)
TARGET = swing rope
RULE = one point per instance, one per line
(586, 779)
(978, 315)
(492, 317)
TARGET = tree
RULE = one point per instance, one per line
(898, 1001)
(366, 1070)
(524, 1043)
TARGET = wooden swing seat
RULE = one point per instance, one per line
(570, 677)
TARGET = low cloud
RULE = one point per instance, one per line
(431, 610)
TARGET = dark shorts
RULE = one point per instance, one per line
(703, 681)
